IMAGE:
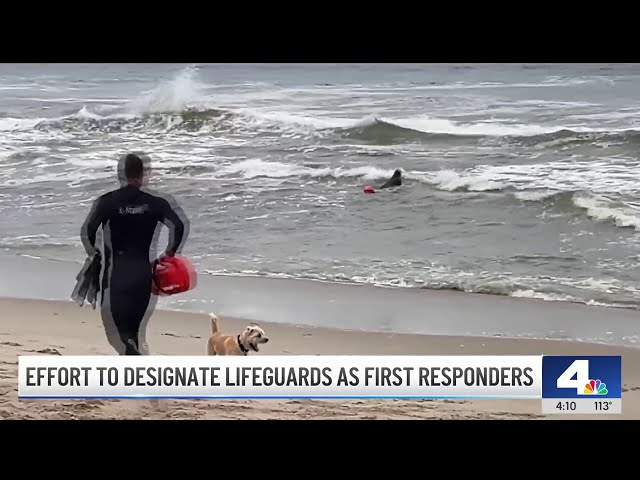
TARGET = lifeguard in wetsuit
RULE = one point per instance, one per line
(131, 219)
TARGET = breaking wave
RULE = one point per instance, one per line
(184, 104)
(371, 129)
(622, 214)
(564, 197)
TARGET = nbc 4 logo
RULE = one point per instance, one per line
(577, 377)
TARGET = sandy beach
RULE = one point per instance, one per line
(37, 327)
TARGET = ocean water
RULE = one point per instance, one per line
(520, 180)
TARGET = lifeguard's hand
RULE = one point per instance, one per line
(165, 255)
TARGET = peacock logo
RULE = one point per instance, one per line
(595, 387)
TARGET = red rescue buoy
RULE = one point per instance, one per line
(173, 275)
(369, 189)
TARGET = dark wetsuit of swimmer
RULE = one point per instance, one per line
(129, 218)
(394, 181)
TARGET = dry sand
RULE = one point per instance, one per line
(29, 327)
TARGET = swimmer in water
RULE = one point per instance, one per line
(394, 181)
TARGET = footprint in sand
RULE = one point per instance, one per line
(169, 334)
(48, 351)
(87, 405)
(159, 404)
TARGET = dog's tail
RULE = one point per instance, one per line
(214, 323)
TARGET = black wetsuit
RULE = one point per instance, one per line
(394, 181)
(129, 218)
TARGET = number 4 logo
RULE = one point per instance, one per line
(578, 369)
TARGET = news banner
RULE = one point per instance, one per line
(564, 384)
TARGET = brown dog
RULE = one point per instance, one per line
(224, 344)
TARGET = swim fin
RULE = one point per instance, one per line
(88, 281)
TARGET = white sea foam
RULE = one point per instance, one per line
(9, 124)
(604, 209)
(600, 177)
(534, 195)
(256, 167)
(173, 95)
(450, 180)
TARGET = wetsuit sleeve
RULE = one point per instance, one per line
(174, 219)
(96, 217)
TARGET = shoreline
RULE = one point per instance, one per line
(30, 326)
(586, 303)
(362, 308)
(206, 273)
